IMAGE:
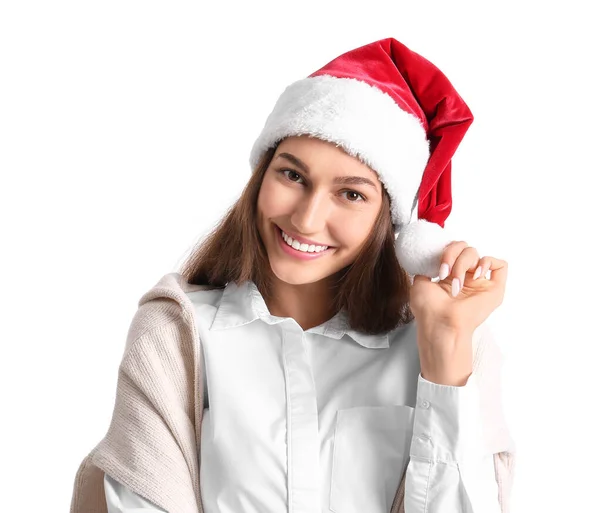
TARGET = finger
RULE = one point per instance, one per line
(421, 277)
(484, 266)
(498, 276)
(499, 270)
(467, 260)
(488, 263)
(449, 256)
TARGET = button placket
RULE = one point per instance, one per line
(303, 426)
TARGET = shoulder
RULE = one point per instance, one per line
(171, 304)
(204, 304)
(205, 297)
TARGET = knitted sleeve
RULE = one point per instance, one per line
(150, 444)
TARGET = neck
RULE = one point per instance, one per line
(309, 304)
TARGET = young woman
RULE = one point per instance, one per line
(325, 348)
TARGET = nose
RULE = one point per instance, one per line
(311, 213)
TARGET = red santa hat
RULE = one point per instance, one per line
(400, 115)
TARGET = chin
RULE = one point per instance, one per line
(295, 276)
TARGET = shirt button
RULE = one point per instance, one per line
(425, 404)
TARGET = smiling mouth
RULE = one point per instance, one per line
(297, 247)
(286, 236)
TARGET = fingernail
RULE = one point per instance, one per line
(455, 287)
(477, 273)
(444, 271)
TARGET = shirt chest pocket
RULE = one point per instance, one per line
(371, 449)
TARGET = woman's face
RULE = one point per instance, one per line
(319, 195)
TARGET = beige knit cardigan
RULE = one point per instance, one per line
(153, 439)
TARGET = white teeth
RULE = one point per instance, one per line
(305, 248)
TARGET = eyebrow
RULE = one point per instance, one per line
(346, 180)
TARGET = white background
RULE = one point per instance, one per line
(125, 130)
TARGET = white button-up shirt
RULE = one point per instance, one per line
(326, 419)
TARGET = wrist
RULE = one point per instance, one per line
(453, 378)
(446, 357)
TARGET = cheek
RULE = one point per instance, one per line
(273, 199)
(353, 231)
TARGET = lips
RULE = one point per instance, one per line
(299, 255)
(302, 240)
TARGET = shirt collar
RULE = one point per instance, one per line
(243, 304)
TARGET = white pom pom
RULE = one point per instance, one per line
(419, 247)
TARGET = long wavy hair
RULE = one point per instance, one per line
(374, 290)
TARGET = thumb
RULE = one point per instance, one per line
(421, 277)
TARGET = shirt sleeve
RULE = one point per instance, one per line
(449, 469)
(120, 499)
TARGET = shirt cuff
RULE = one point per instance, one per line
(447, 423)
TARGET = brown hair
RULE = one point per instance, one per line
(374, 289)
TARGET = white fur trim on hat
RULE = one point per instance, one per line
(420, 246)
(366, 122)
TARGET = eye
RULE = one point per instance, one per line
(295, 177)
(291, 174)
(357, 194)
